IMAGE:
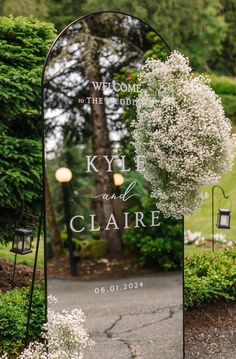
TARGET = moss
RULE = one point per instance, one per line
(93, 249)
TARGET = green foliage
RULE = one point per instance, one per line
(63, 12)
(91, 248)
(37, 8)
(70, 155)
(13, 317)
(129, 74)
(201, 221)
(158, 246)
(24, 43)
(223, 85)
(158, 50)
(27, 259)
(205, 30)
(197, 29)
(208, 278)
(229, 103)
(227, 59)
(16, 165)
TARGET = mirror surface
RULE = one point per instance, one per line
(109, 249)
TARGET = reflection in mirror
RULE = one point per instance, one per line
(110, 251)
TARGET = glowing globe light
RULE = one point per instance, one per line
(118, 179)
(63, 175)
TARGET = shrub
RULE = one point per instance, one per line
(62, 337)
(225, 87)
(91, 248)
(229, 104)
(13, 317)
(209, 278)
(157, 246)
(24, 43)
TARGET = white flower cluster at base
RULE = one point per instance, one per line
(63, 337)
(197, 239)
(183, 132)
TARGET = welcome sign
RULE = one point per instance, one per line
(125, 196)
(102, 217)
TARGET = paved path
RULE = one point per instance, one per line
(141, 323)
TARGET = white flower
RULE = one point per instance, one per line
(35, 350)
(65, 334)
(193, 237)
(52, 300)
(199, 242)
(64, 337)
(182, 130)
(218, 237)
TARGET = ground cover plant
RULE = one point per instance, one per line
(62, 336)
(13, 317)
(160, 246)
(210, 277)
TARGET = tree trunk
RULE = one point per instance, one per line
(57, 245)
(101, 147)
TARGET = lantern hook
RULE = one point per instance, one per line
(212, 217)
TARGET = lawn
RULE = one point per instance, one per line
(201, 221)
(23, 259)
(190, 249)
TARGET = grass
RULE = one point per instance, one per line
(223, 85)
(190, 249)
(201, 221)
(23, 259)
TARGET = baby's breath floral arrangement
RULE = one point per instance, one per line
(63, 337)
(182, 131)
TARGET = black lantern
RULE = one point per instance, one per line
(223, 219)
(22, 241)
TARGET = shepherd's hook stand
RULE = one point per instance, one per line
(212, 216)
(33, 278)
(14, 271)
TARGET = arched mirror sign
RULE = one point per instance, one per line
(110, 252)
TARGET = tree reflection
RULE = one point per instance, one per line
(92, 50)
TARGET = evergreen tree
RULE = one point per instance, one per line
(38, 8)
(228, 56)
(24, 43)
(196, 28)
(63, 12)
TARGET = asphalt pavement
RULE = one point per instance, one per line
(139, 318)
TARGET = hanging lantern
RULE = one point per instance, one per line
(22, 241)
(223, 219)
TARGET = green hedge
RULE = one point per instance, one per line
(210, 278)
(229, 103)
(13, 317)
(225, 87)
(24, 43)
(157, 246)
